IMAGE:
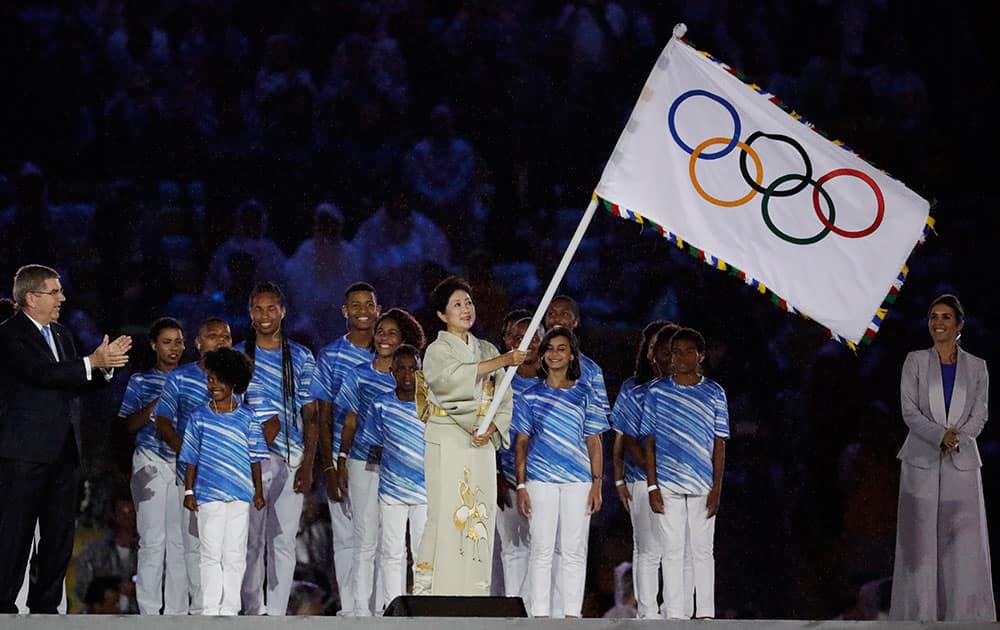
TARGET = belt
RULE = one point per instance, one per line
(434, 410)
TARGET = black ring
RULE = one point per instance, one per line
(762, 189)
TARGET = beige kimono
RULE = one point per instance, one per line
(456, 551)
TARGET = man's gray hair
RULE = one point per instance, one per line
(31, 278)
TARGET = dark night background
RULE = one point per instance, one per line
(130, 133)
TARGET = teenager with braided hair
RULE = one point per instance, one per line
(281, 379)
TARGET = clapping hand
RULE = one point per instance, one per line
(113, 354)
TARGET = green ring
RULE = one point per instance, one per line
(774, 229)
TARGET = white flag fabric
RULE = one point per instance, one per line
(719, 164)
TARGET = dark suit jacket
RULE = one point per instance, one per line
(36, 391)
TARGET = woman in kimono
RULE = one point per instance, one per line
(942, 570)
(455, 556)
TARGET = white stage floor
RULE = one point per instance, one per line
(131, 622)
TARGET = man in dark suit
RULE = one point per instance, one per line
(40, 375)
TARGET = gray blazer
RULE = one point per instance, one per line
(922, 399)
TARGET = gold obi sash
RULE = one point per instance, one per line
(426, 410)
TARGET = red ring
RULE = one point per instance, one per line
(866, 179)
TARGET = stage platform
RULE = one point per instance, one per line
(131, 622)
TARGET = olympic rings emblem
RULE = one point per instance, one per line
(756, 182)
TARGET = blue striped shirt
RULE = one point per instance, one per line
(626, 417)
(558, 422)
(393, 424)
(591, 374)
(223, 446)
(360, 387)
(334, 361)
(265, 391)
(142, 389)
(685, 419)
(505, 456)
(185, 389)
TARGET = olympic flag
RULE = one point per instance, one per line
(724, 171)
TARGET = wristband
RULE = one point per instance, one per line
(189, 493)
(619, 482)
(341, 455)
(652, 487)
(521, 486)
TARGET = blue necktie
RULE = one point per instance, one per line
(51, 341)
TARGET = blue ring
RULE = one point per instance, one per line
(724, 151)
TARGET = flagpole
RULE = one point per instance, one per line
(543, 306)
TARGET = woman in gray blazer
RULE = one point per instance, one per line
(942, 570)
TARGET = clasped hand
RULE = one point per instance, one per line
(949, 443)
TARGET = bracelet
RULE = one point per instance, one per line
(341, 455)
(652, 487)
(521, 486)
(330, 467)
(189, 493)
(619, 482)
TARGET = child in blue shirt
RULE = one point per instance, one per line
(393, 426)
(559, 463)
(223, 448)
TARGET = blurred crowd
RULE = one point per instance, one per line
(165, 155)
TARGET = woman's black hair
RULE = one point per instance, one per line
(161, 324)
(573, 371)
(288, 399)
(644, 370)
(444, 290)
(410, 330)
(509, 319)
(689, 334)
(145, 357)
(232, 367)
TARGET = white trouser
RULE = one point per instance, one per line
(680, 512)
(271, 541)
(647, 552)
(161, 580)
(558, 509)
(22, 595)
(392, 555)
(192, 552)
(343, 552)
(223, 526)
(363, 488)
(515, 550)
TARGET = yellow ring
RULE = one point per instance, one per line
(701, 191)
